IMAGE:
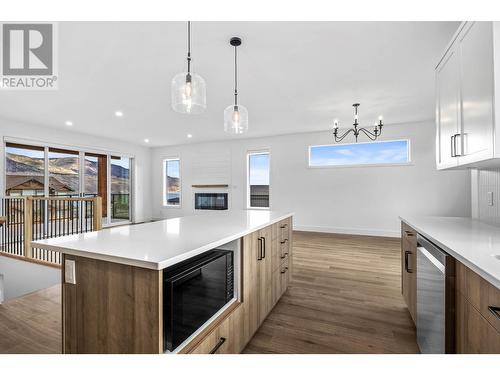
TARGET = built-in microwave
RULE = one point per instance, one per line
(194, 291)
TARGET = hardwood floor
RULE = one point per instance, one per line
(32, 323)
(345, 297)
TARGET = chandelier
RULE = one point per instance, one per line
(356, 130)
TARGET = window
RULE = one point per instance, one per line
(258, 180)
(44, 170)
(369, 153)
(172, 182)
(24, 170)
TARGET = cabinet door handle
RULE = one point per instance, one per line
(284, 241)
(495, 311)
(452, 146)
(284, 270)
(259, 253)
(264, 246)
(221, 342)
(407, 261)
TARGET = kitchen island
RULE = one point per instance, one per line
(113, 280)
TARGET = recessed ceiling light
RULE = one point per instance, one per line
(68, 123)
(119, 114)
(190, 136)
(146, 140)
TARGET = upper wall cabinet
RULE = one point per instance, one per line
(467, 132)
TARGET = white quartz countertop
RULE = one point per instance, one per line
(473, 243)
(160, 244)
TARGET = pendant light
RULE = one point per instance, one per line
(188, 89)
(236, 115)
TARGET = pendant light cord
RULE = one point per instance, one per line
(235, 75)
(189, 47)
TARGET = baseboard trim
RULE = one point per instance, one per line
(355, 231)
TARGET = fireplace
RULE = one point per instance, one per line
(210, 201)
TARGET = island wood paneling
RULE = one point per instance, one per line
(112, 308)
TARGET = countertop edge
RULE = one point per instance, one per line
(157, 266)
(495, 281)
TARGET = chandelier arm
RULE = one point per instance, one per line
(340, 138)
(369, 134)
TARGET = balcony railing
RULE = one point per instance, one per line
(35, 218)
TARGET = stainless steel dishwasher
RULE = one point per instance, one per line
(435, 299)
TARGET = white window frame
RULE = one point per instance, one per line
(257, 152)
(164, 189)
(408, 163)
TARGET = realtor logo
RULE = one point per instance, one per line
(28, 58)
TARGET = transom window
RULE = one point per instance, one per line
(367, 153)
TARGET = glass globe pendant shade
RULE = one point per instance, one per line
(189, 93)
(235, 119)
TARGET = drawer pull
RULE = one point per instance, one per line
(284, 241)
(286, 268)
(283, 226)
(284, 256)
(409, 234)
(221, 342)
(495, 311)
(407, 262)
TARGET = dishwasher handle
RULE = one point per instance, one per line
(433, 259)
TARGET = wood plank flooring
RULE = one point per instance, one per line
(32, 323)
(345, 297)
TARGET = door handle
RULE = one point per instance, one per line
(264, 246)
(495, 311)
(221, 342)
(259, 253)
(407, 262)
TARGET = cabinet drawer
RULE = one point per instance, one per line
(284, 230)
(480, 293)
(475, 335)
(218, 341)
(284, 274)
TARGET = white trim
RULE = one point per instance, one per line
(356, 231)
(407, 163)
(257, 152)
(164, 186)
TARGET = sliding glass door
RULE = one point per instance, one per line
(120, 188)
(48, 171)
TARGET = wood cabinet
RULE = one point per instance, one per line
(266, 268)
(477, 313)
(409, 268)
(465, 98)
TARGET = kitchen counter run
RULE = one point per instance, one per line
(473, 243)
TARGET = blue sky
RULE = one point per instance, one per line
(259, 169)
(392, 152)
(173, 168)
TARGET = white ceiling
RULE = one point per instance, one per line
(293, 77)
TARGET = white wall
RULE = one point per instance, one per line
(141, 185)
(363, 200)
(20, 277)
